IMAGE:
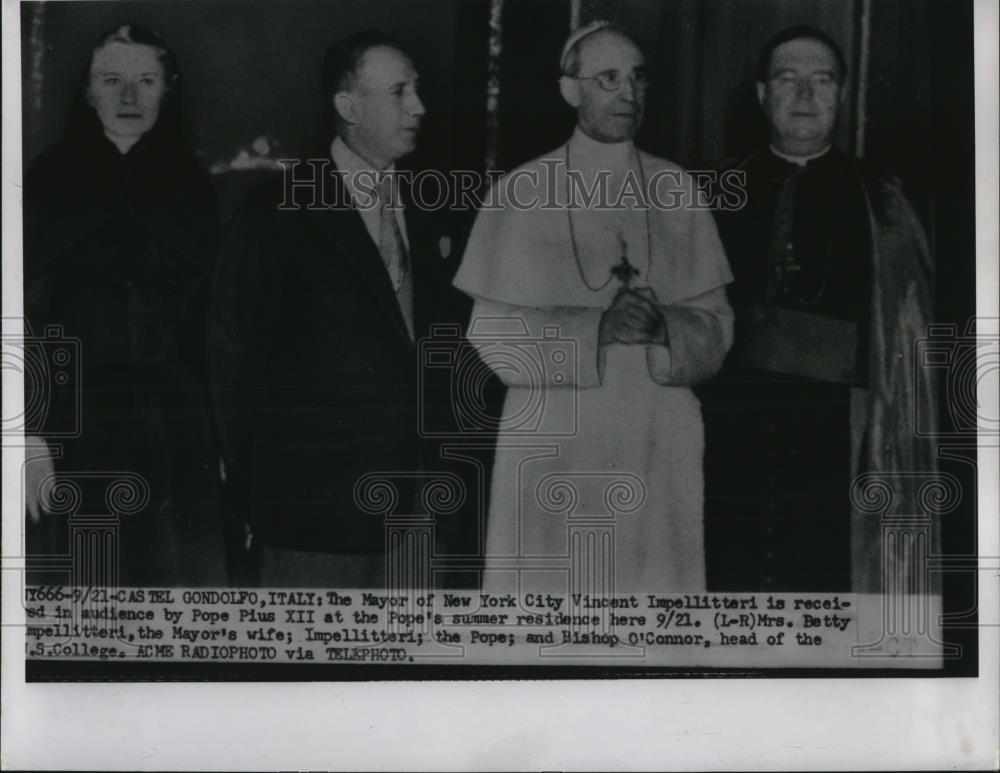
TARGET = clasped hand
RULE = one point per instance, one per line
(634, 317)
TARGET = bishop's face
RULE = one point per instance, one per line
(610, 114)
(801, 96)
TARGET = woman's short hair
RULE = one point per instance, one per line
(138, 35)
(82, 117)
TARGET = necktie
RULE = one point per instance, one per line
(391, 246)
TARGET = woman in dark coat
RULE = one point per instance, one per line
(120, 236)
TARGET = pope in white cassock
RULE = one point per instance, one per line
(604, 243)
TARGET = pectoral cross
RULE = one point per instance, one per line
(784, 273)
(624, 271)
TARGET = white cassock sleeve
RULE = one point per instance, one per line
(493, 321)
(700, 332)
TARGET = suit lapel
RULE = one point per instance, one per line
(345, 228)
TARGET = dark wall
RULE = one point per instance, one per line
(921, 107)
(533, 118)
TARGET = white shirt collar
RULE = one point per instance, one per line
(360, 176)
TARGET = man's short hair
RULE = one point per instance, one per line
(340, 65)
(569, 61)
(800, 32)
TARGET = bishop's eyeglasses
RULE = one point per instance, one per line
(819, 83)
(612, 80)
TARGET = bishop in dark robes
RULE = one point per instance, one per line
(832, 288)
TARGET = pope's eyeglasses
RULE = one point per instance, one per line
(612, 80)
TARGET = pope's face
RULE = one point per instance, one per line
(387, 104)
(126, 88)
(611, 116)
(801, 96)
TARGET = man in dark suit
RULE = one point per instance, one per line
(327, 280)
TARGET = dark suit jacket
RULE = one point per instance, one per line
(314, 375)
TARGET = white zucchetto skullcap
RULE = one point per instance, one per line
(579, 34)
